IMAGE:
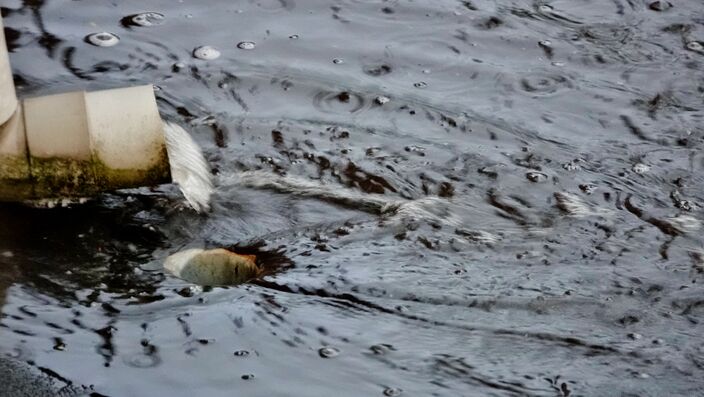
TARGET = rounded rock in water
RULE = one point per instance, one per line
(246, 45)
(103, 39)
(206, 52)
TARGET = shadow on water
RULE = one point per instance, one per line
(85, 246)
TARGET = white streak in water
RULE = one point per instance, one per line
(189, 169)
(426, 208)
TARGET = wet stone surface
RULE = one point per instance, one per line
(521, 215)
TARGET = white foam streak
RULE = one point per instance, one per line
(189, 169)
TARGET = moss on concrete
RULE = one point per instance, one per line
(60, 177)
(109, 178)
(13, 167)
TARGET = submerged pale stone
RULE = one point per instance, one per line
(212, 267)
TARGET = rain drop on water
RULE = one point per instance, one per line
(59, 344)
(103, 39)
(246, 45)
(660, 5)
(381, 349)
(206, 52)
(176, 67)
(328, 352)
(147, 19)
(571, 166)
(640, 168)
(695, 46)
(537, 177)
(380, 100)
(392, 391)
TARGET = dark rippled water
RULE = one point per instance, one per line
(545, 160)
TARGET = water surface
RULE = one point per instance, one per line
(474, 198)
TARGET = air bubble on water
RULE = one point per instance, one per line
(248, 376)
(293, 36)
(545, 8)
(337, 61)
(328, 352)
(640, 168)
(381, 349)
(414, 149)
(545, 43)
(7, 254)
(59, 345)
(147, 19)
(241, 353)
(660, 5)
(570, 166)
(142, 360)
(392, 391)
(695, 46)
(558, 64)
(380, 100)
(103, 39)
(588, 188)
(176, 67)
(420, 84)
(537, 177)
(206, 52)
(246, 45)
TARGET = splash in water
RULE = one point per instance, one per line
(189, 169)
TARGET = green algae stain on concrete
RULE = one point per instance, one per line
(15, 182)
(61, 177)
